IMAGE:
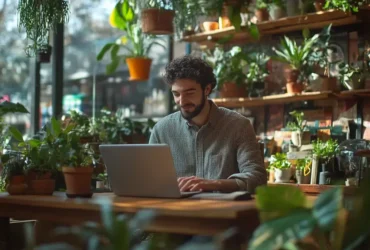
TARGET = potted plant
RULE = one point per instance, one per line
(276, 9)
(282, 167)
(76, 160)
(351, 76)
(138, 50)
(321, 58)
(38, 18)
(344, 5)
(256, 73)
(302, 170)
(261, 11)
(229, 68)
(297, 58)
(297, 126)
(324, 152)
(157, 17)
(13, 178)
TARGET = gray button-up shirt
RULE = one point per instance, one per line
(225, 147)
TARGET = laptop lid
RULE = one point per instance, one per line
(141, 170)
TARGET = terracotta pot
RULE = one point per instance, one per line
(78, 181)
(139, 68)
(17, 185)
(291, 75)
(319, 5)
(283, 175)
(42, 187)
(157, 21)
(230, 89)
(329, 84)
(209, 26)
(294, 88)
(262, 15)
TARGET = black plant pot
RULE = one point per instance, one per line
(44, 54)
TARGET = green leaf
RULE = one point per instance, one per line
(127, 12)
(254, 31)
(16, 134)
(121, 233)
(114, 51)
(34, 143)
(275, 233)
(56, 127)
(306, 33)
(277, 201)
(104, 50)
(326, 208)
(111, 68)
(10, 107)
(116, 18)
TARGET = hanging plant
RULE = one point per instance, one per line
(38, 17)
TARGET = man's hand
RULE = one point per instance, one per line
(194, 183)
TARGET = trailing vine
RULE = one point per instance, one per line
(38, 17)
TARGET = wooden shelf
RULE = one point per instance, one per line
(287, 98)
(317, 189)
(316, 20)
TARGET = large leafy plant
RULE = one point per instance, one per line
(293, 54)
(257, 70)
(289, 219)
(279, 161)
(228, 66)
(134, 42)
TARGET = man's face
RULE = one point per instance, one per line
(190, 97)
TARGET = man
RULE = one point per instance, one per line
(214, 149)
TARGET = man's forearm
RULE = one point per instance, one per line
(228, 186)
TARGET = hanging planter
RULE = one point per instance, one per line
(157, 21)
(135, 44)
(44, 54)
(38, 17)
(139, 68)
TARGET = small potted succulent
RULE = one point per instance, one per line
(282, 167)
(261, 11)
(296, 56)
(229, 68)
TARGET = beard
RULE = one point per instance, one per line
(198, 108)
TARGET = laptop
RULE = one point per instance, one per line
(141, 170)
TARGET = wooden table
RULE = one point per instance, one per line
(183, 216)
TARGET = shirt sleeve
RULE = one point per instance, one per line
(154, 137)
(252, 172)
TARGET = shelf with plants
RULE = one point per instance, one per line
(237, 102)
(317, 189)
(284, 25)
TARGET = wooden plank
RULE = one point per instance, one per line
(317, 189)
(287, 24)
(267, 100)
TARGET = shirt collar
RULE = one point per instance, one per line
(213, 116)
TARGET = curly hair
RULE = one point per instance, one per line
(192, 68)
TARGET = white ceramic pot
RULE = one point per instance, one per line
(282, 175)
(276, 12)
(296, 137)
